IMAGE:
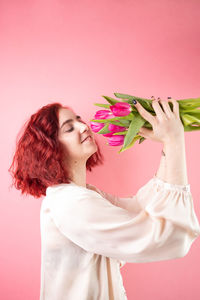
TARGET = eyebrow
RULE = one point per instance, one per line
(70, 120)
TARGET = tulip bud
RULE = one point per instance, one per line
(121, 109)
(116, 140)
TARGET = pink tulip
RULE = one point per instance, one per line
(116, 128)
(116, 140)
(103, 114)
(121, 109)
(95, 126)
(108, 134)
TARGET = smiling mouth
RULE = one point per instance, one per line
(89, 138)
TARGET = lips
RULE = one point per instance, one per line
(86, 138)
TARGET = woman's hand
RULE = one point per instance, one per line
(167, 125)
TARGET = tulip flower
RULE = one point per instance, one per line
(121, 109)
(100, 114)
(103, 114)
(115, 128)
(120, 121)
(116, 140)
(96, 126)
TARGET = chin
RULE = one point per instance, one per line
(94, 149)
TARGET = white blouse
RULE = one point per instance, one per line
(87, 235)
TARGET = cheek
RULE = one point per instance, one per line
(73, 144)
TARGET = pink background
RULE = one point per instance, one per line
(74, 52)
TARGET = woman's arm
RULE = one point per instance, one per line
(173, 168)
(168, 129)
(161, 224)
(175, 162)
(162, 168)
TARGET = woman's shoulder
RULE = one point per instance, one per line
(57, 188)
(71, 188)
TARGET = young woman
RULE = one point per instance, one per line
(87, 235)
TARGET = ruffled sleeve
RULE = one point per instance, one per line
(158, 223)
(160, 199)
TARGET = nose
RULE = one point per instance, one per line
(84, 127)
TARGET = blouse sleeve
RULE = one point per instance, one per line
(160, 223)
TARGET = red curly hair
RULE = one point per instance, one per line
(37, 162)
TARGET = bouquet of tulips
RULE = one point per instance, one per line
(120, 121)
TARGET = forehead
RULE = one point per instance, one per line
(65, 113)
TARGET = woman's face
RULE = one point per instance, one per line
(72, 132)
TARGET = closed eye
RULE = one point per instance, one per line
(72, 128)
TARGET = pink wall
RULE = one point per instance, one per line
(74, 52)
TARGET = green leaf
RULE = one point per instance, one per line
(102, 105)
(189, 103)
(195, 112)
(123, 96)
(189, 119)
(191, 128)
(112, 101)
(146, 103)
(126, 123)
(104, 130)
(131, 97)
(129, 117)
(120, 133)
(184, 104)
(131, 144)
(108, 121)
(133, 129)
(188, 110)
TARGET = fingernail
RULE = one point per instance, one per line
(134, 101)
(169, 97)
